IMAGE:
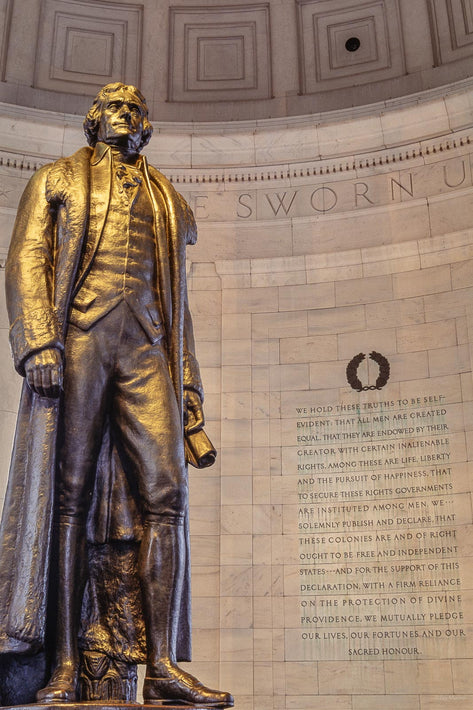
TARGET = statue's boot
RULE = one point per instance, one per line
(62, 686)
(161, 572)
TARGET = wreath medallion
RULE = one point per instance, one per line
(381, 380)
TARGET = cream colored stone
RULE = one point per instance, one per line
(280, 278)
(289, 377)
(235, 326)
(205, 644)
(297, 298)
(262, 613)
(422, 282)
(462, 677)
(406, 222)
(387, 702)
(301, 678)
(209, 353)
(263, 644)
(205, 303)
(236, 405)
(407, 311)
(236, 460)
(309, 349)
(394, 266)
(236, 612)
(262, 519)
(261, 461)
(205, 582)
(236, 549)
(345, 677)
(336, 320)
(211, 379)
(236, 581)
(382, 340)
(204, 612)
(236, 281)
(368, 290)
(236, 378)
(336, 273)
(236, 490)
(236, 433)
(207, 327)
(261, 489)
(263, 678)
(205, 550)
(250, 300)
(236, 352)
(426, 336)
(327, 375)
(447, 256)
(262, 580)
(265, 352)
(463, 334)
(429, 677)
(236, 519)
(263, 549)
(450, 213)
(446, 702)
(236, 645)
(277, 325)
(204, 519)
(328, 702)
(260, 432)
(408, 366)
(449, 361)
(238, 674)
(447, 305)
(263, 403)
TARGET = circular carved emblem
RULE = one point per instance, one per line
(352, 372)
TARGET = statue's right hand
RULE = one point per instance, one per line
(43, 371)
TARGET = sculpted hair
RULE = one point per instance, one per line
(92, 120)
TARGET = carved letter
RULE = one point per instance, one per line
(406, 189)
(362, 194)
(456, 184)
(324, 204)
(245, 205)
(281, 203)
(200, 206)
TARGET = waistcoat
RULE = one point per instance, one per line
(124, 264)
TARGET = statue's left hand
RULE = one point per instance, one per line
(193, 412)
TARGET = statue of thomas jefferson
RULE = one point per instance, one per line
(101, 332)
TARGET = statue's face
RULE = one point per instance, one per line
(121, 123)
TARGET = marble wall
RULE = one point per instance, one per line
(332, 560)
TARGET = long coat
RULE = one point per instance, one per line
(48, 260)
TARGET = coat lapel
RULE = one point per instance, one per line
(100, 187)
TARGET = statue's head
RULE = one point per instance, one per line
(119, 116)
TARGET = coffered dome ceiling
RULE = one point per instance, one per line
(224, 60)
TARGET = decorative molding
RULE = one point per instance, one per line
(294, 171)
(220, 53)
(84, 44)
(452, 29)
(325, 26)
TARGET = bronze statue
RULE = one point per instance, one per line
(94, 539)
